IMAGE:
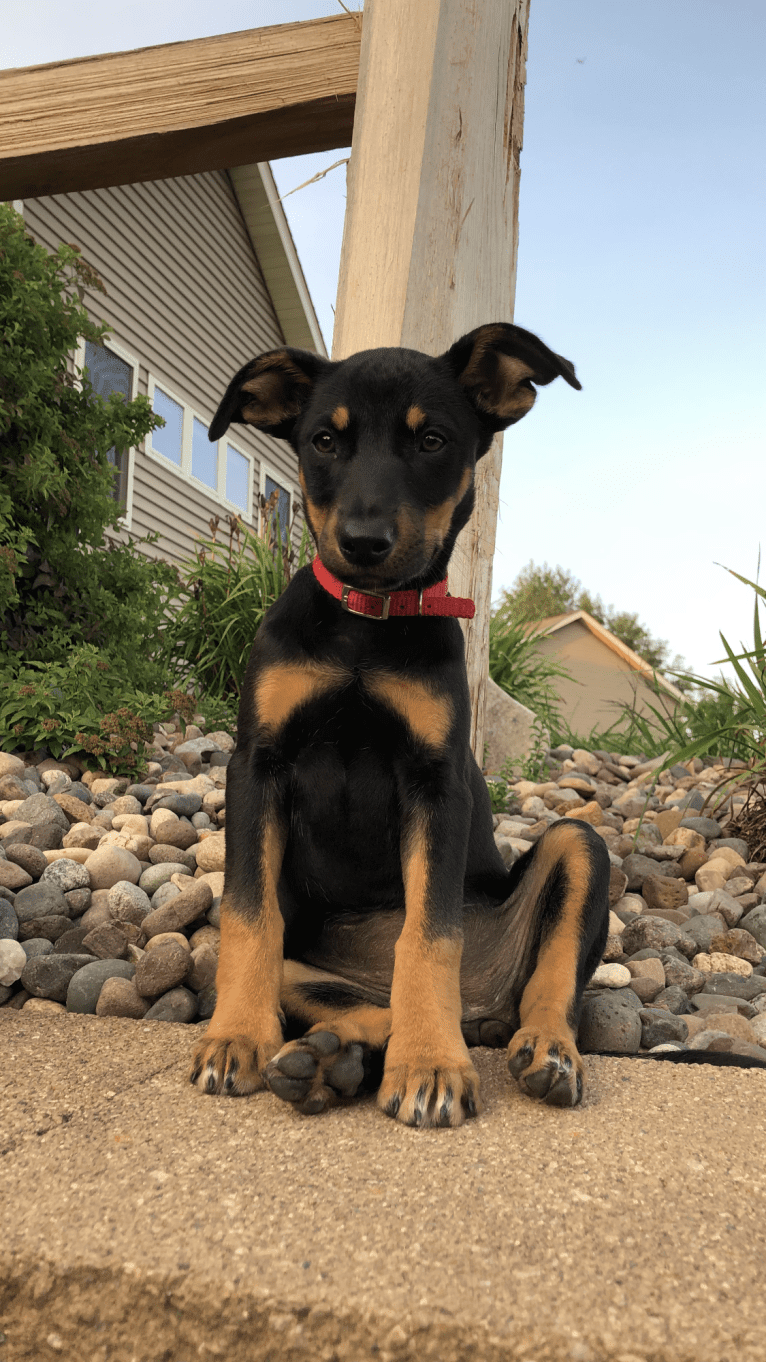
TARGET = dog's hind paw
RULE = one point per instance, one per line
(546, 1066)
(317, 1071)
(231, 1067)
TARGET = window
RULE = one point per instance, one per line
(279, 514)
(110, 373)
(223, 470)
(204, 455)
(168, 439)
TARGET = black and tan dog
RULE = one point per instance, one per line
(366, 906)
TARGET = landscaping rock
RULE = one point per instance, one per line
(49, 976)
(9, 923)
(190, 904)
(156, 875)
(610, 1022)
(29, 858)
(179, 1005)
(66, 875)
(120, 998)
(162, 969)
(40, 900)
(13, 958)
(85, 986)
(108, 866)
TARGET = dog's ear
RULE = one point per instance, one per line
(270, 392)
(496, 366)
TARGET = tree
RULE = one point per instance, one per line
(63, 581)
(539, 592)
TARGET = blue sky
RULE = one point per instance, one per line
(641, 258)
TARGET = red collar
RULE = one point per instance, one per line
(382, 605)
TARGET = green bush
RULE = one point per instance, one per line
(226, 590)
(63, 582)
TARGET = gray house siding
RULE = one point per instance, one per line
(185, 298)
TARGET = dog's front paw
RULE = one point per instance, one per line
(427, 1093)
(317, 1071)
(233, 1066)
(546, 1065)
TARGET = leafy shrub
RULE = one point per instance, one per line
(63, 582)
(226, 590)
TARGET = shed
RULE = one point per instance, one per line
(606, 674)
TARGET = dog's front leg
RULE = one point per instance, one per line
(429, 1079)
(245, 1030)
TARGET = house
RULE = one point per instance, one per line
(201, 274)
(606, 674)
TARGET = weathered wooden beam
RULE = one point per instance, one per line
(430, 239)
(179, 108)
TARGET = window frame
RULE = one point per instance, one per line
(124, 522)
(184, 471)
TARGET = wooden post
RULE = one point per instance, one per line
(431, 230)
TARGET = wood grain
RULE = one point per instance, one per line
(431, 232)
(179, 108)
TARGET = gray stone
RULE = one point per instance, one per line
(179, 1005)
(15, 832)
(755, 924)
(66, 875)
(183, 804)
(660, 1027)
(48, 976)
(79, 791)
(610, 1022)
(703, 928)
(141, 792)
(85, 986)
(657, 933)
(41, 809)
(78, 900)
(51, 927)
(9, 923)
(737, 844)
(206, 1000)
(109, 941)
(156, 875)
(674, 999)
(704, 1003)
(163, 853)
(164, 894)
(735, 985)
(40, 900)
(683, 974)
(638, 868)
(47, 836)
(128, 902)
(71, 943)
(29, 858)
(707, 826)
(191, 903)
(36, 946)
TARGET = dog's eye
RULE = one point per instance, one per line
(324, 442)
(431, 442)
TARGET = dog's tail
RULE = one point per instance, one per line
(719, 1057)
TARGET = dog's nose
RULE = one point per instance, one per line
(366, 543)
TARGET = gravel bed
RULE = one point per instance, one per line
(110, 892)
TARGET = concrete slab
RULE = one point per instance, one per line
(141, 1220)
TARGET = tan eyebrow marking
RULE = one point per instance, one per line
(415, 417)
(340, 418)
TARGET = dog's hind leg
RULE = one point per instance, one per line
(566, 928)
(337, 1055)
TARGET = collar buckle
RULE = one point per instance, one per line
(379, 595)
